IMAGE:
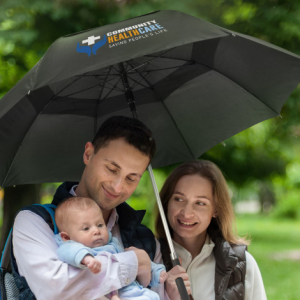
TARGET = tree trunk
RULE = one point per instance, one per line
(14, 199)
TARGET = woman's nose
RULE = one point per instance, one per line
(187, 211)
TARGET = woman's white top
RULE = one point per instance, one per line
(201, 271)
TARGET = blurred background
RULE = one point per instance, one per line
(261, 164)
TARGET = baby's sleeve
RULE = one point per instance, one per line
(156, 269)
(73, 253)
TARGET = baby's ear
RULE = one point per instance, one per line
(64, 236)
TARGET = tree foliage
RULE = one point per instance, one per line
(267, 152)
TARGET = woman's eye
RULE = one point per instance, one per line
(201, 203)
(178, 199)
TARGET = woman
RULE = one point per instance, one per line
(200, 216)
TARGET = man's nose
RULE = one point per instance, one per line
(117, 185)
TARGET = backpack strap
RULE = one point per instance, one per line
(47, 212)
(5, 258)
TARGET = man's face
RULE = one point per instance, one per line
(112, 174)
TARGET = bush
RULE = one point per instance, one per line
(288, 207)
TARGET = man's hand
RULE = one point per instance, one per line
(144, 268)
(170, 284)
(92, 263)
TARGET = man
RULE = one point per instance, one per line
(114, 164)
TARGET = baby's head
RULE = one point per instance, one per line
(80, 219)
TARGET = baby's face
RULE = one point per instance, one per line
(88, 227)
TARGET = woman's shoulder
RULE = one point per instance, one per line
(239, 250)
(250, 260)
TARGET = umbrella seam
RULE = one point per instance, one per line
(227, 76)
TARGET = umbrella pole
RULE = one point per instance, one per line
(175, 260)
(162, 214)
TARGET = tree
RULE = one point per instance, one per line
(28, 28)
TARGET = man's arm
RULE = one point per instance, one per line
(49, 278)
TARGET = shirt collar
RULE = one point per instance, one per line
(72, 190)
(113, 219)
(186, 256)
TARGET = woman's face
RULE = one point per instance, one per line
(190, 209)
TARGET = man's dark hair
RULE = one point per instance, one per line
(132, 130)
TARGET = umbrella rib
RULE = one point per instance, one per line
(89, 88)
(175, 124)
(172, 58)
(251, 93)
(148, 62)
(143, 77)
(113, 88)
(69, 85)
(98, 100)
(163, 69)
(134, 69)
(168, 112)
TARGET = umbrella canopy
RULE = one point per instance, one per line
(194, 84)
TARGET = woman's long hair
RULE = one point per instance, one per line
(225, 217)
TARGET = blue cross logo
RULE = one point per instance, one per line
(91, 41)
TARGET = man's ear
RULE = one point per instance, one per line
(64, 236)
(88, 152)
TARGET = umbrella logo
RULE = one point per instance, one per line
(91, 40)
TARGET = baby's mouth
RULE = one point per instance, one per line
(98, 242)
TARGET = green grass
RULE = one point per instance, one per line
(268, 238)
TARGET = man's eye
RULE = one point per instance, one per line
(130, 179)
(112, 170)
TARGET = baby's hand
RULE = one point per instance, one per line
(114, 296)
(92, 263)
(163, 276)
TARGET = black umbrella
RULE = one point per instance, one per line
(194, 84)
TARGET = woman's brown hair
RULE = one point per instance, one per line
(225, 217)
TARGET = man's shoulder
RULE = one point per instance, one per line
(62, 192)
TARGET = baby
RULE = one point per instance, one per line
(83, 234)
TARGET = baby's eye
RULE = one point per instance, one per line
(86, 228)
(100, 225)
